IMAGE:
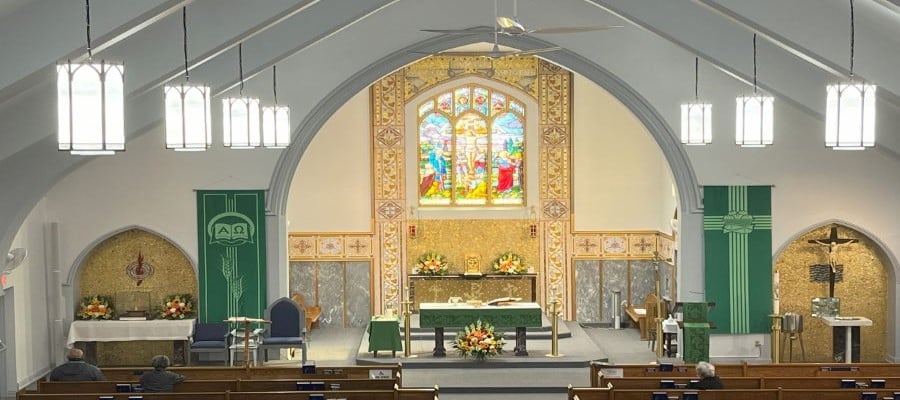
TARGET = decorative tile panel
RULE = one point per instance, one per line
(615, 244)
(330, 246)
(636, 245)
(310, 246)
(642, 245)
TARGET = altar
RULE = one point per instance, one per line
(86, 334)
(458, 315)
(438, 289)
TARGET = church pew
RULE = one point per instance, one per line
(221, 385)
(727, 394)
(124, 396)
(395, 393)
(214, 373)
(816, 382)
(751, 370)
(277, 385)
(331, 394)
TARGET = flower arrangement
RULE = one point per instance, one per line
(509, 263)
(96, 307)
(479, 341)
(431, 264)
(179, 306)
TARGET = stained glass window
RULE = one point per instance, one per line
(471, 149)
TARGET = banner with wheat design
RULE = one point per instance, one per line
(231, 230)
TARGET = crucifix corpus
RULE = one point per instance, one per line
(833, 243)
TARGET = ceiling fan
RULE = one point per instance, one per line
(495, 51)
(512, 27)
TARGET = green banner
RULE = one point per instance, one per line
(737, 226)
(232, 237)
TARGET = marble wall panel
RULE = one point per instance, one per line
(614, 277)
(331, 292)
(302, 280)
(358, 293)
(643, 280)
(587, 291)
(666, 278)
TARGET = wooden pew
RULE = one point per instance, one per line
(294, 395)
(395, 393)
(217, 373)
(654, 382)
(727, 394)
(110, 386)
(123, 396)
(277, 385)
(644, 316)
(815, 382)
(878, 370)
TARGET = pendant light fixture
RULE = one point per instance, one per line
(91, 104)
(188, 126)
(696, 117)
(240, 115)
(276, 123)
(754, 116)
(850, 109)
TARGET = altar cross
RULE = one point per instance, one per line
(833, 243)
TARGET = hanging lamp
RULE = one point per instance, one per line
(240, 115)
(850, 109)
(90, 103)
(754, 121)
(276, 119)
(188, 126)
(696, 117)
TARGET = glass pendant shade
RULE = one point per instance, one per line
(276, 127)
(91, 108)
(850, 116)
(754, 121)
(188, 122)
(240, 122)
(696, 123)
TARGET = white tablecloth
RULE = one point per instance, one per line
(122, 331)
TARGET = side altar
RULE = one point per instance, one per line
(438, 289)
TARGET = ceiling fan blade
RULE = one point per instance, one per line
(508, 23)
(532, 51)
(468, 31)
(575, 29)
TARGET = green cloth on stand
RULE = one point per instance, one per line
(384, 334)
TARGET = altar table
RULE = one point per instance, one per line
(848, 323)
(459, 315)
(91, 332)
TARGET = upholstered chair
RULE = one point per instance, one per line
(287, 329)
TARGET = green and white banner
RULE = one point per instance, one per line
(232, 239)
(737, 226)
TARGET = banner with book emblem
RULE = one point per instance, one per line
(232, 263)
(737, 226)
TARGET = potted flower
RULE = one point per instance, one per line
(509, 263)
(179, 306)
(431, 264)
(479, 341)
(96, 307)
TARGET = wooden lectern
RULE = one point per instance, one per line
(246, 321)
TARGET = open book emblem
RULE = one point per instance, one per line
(231, 229)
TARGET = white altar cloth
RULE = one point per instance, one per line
(848, 323)
(123, 331)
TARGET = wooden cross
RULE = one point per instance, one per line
(833, 243)
(587, 244)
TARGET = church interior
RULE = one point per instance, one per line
(615, 181)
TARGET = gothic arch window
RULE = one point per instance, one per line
(471, 148)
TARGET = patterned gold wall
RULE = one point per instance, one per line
(862, 292)
(487, 238)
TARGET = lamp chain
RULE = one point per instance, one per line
(852, 38)
(754, 63)
(696, 78)
(274, 84)
(187, 73)
(241, 66)
(87, 16)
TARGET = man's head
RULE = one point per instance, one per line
(75, 354)
(160, 362)
(705, 369)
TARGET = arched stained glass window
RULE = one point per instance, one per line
(471, 148)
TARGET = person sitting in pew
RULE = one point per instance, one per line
(160, 380)
(76, 369)
(708, 378)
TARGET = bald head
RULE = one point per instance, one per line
(75, 354)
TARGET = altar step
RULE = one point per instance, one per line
(544, 332)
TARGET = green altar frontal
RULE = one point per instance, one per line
(444, 315)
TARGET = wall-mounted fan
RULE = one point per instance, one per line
(511, 26)
(14, 258)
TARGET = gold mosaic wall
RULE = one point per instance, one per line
(103, 272)
(863, 292)
(487, 238)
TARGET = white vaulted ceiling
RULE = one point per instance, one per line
(804, 46)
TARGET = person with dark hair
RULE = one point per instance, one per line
(160, 380)
(708, 378)
(76, 369)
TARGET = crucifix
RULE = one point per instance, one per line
(833, 243)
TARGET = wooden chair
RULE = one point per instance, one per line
(645, 317)
(312, 313)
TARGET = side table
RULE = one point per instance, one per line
(384, 334)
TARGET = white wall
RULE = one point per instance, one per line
(621, 179)
(32, 324)
(332, 187)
